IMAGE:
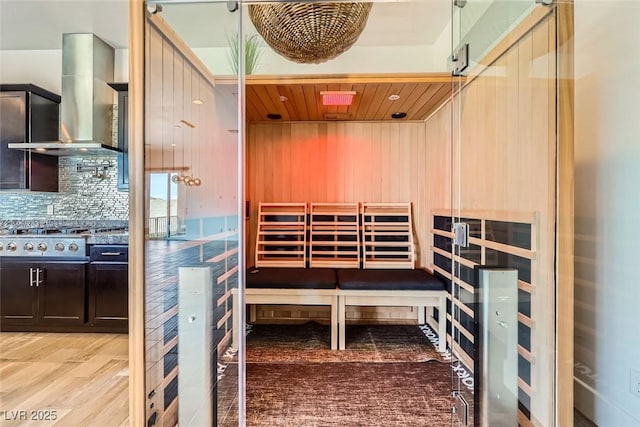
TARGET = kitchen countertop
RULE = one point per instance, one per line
(108, 239)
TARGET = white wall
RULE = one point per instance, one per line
(607, 220)
(44, 67)
(358, 59)
(40, 67)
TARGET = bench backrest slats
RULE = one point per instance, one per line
(387, 235)
(281, 239)
(334, 235)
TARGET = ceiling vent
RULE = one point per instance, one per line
(337, 116)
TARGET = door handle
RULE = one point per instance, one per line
(38, 281)
(31, 277)
(110, 253)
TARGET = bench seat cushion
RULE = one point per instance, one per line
(388, 279)
(291, 278)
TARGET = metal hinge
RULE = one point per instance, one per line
(460, 59)
(461, 234)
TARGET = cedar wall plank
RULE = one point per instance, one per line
(350, 162)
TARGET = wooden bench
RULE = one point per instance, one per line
(388, 277)
(389, 288)
(280, 275)
(342, 237)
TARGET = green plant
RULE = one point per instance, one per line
(252, 52)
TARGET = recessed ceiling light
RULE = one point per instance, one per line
(399, 115)
(344, 97)
(394, 97)
(198, 101)
(283, 98)
(274, 116)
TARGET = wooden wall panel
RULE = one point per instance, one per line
(349, 162)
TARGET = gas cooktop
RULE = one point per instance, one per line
(42, 246)
(63, 230)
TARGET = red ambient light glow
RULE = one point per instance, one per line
(337, 97)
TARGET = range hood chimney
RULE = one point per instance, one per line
(86, 114)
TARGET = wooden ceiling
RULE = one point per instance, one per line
(420, 95)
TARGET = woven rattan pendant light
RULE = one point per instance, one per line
(310, 32)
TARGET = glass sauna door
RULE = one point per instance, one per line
(192, 174)
(502, 317)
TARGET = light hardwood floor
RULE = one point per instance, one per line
(81, 378)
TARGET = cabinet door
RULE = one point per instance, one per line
(61, 294)
(17, 295)
(108, 295)
(13, 128)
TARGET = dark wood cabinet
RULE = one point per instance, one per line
(42, 296)
(28, 113)
(61, 294)
(108, 295)
(18, 296)
(108, 287)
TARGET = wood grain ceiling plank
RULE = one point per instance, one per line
(252, 113)
(274, 93)
(359, 89)
(403, 103)
(414, 92)
(367, 96)
(384, 102)
(434, 102)
(313, 101)
(424, 96)
(378, 96)
(267, 100)
(299, 102)
(257, 102)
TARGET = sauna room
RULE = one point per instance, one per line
(342, 197)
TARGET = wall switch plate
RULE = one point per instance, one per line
(634, 382)
(49, 209)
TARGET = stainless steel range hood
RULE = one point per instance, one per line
(86, 109)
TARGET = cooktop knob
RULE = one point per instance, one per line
(42, 246)
(12, 247)
(59, 247)
(73, 247)
(28, 246)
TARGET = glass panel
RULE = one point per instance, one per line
(607, 154)
(192, 244)
(503, 137)
(484, 23)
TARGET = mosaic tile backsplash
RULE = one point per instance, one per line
(82, 196)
